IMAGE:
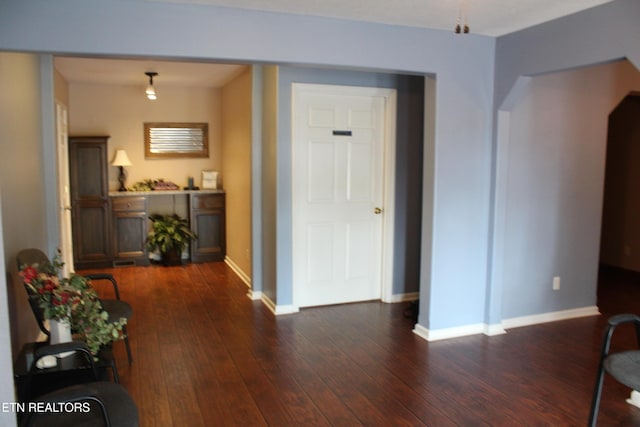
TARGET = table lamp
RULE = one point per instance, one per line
(121, 160)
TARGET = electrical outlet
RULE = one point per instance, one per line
(556, 283)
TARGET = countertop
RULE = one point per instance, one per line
(162, 193)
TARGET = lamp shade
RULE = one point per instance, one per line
(151, 92)
(121, 159)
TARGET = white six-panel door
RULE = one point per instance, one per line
(338, 192)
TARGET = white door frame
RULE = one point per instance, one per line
(389, 169)
(64, 195)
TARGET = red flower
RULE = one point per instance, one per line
(64, 297)
(29, 273)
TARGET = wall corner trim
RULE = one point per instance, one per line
(446, 333)
(279, 309)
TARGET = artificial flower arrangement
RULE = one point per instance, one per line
(72, 300)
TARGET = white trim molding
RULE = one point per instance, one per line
(517, 322)
(254, 295)
(236, 269)
(492, 330)
(409, 296)
(499, 329)
(446, 333)
(279, 309)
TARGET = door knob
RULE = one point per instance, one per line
(377, 211)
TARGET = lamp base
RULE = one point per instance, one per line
(122, 178)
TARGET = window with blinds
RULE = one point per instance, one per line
(170, 140)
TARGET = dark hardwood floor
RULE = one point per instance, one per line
(206, 355)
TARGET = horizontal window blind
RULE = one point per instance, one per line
(176, 140)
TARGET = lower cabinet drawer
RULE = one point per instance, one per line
(125, 204)
(207, 201)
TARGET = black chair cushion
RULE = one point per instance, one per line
(117, 309)
(625, 367)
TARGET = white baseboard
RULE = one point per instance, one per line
(279, 309)
(634, 399)
(241, 274)
(446, 333)
(498, 329)
(254, 295)
(258, 295)
(517, 322)
(409, 296)
(493, 330)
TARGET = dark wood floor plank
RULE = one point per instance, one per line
(205, 354)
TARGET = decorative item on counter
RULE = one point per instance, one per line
(155, 185)
(209, 180)
(144, 185)
(162, 185)
(190, 185)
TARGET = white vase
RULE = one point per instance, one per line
(59, 332)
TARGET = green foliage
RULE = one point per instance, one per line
(144, 185)
(91, 322)
(169, 233)
(72, 300)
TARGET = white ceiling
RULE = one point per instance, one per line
(486, 17)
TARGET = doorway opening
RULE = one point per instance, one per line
(620, 235)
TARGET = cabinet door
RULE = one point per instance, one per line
(129, 230)
(89, 201)
(208, 222)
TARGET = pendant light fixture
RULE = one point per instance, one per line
(151, 91)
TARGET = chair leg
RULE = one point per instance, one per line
(114, 371)
(127, 345)
(597, 393)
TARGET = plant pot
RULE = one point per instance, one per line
(171, 258)
(60, 332)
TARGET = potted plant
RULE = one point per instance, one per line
(169, 235)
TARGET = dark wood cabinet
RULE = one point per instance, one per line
(129, 230)
(112, 230)
(208, 222)
(89, 201)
